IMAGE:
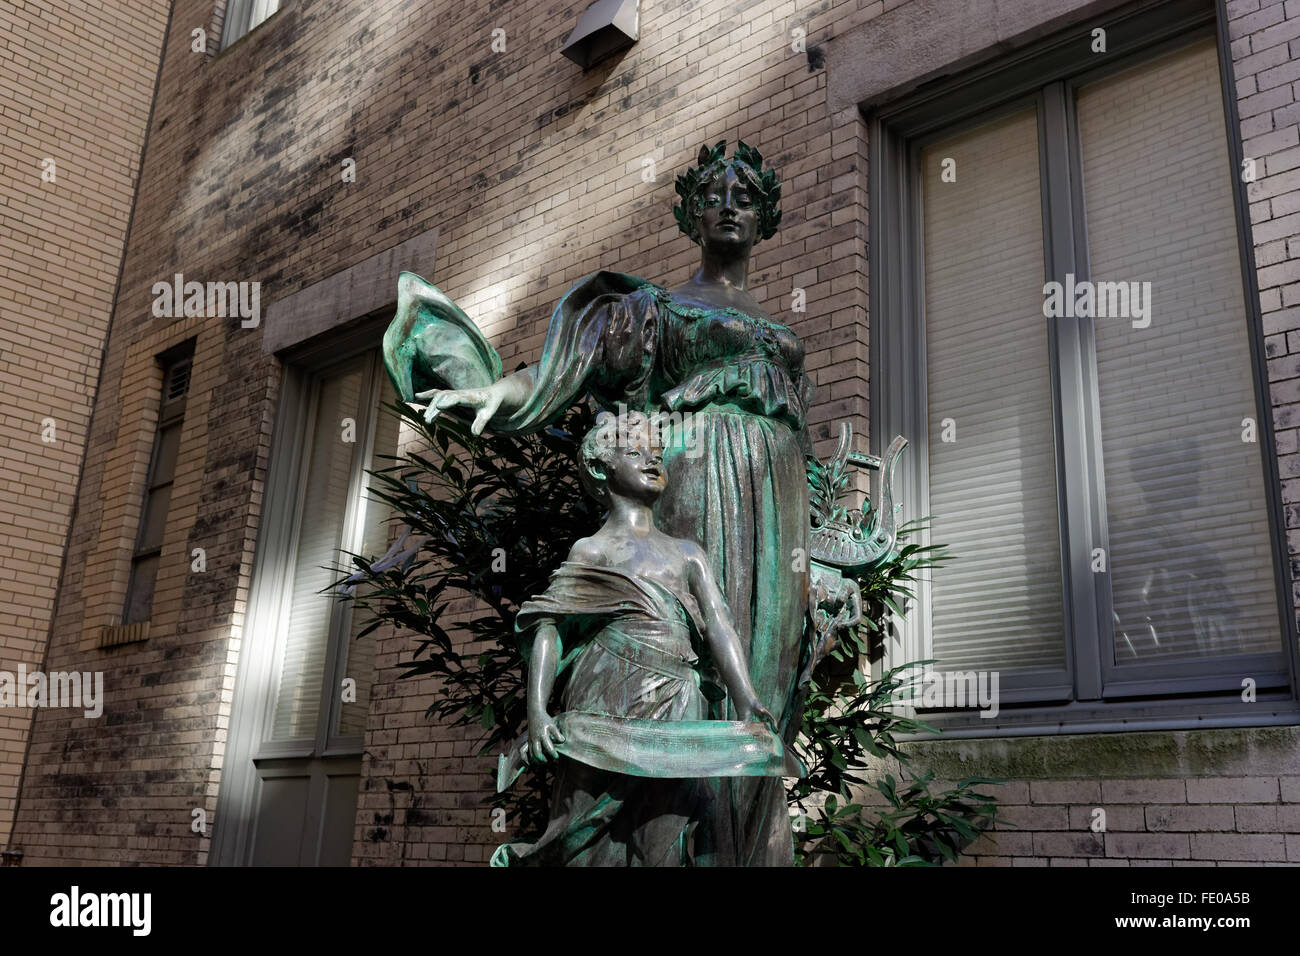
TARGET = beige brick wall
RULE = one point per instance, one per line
(531, 172)
(1225, 797)
(1266, 64)
(76, 84)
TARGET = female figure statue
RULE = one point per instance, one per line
(731, 380)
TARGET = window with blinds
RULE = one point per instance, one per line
(1113, 539)
(992, 468)
(1190, 558)
(344, 432)
(358, 655)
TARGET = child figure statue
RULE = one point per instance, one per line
(624, 618)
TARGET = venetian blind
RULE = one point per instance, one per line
(306, 627)
(998, 603)
(1190, 560)
(359, 655)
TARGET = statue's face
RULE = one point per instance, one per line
(728, 220)
(637, 468)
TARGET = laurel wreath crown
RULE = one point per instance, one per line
(711, 163)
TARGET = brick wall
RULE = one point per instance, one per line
(76, 85)
(532, 173)
(1225, 797)
(1266, 65)
(1195, 822)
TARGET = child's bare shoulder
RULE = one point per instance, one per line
(586, 551)
(691, 552)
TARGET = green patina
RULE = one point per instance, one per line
(734, 387)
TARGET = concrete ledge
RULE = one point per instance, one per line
(927, 39)
(346, 295)
(1245, 752)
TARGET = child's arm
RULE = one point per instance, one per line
(543, 732)
(723, 640)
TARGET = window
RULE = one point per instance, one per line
(158, 487)
(346, 429)
(243, 16)
(1079, 447)
(302, 697)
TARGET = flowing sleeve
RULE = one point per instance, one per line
(602, 338)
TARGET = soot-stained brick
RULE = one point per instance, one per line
(304, 222)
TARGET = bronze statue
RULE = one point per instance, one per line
(732, 379)
(622, 620)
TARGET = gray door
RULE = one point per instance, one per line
(306, 810)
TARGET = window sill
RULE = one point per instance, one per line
(1202, 752)
(1121, 717)
(116, 635)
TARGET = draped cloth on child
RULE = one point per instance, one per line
(633, 720)
(632, 701)
(737, 480)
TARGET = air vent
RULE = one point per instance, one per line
(178, 381)
(117, 634)
(608, 27)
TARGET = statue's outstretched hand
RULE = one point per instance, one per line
(484, 402)
(543, 735)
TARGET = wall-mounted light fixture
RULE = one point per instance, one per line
(608, 27)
